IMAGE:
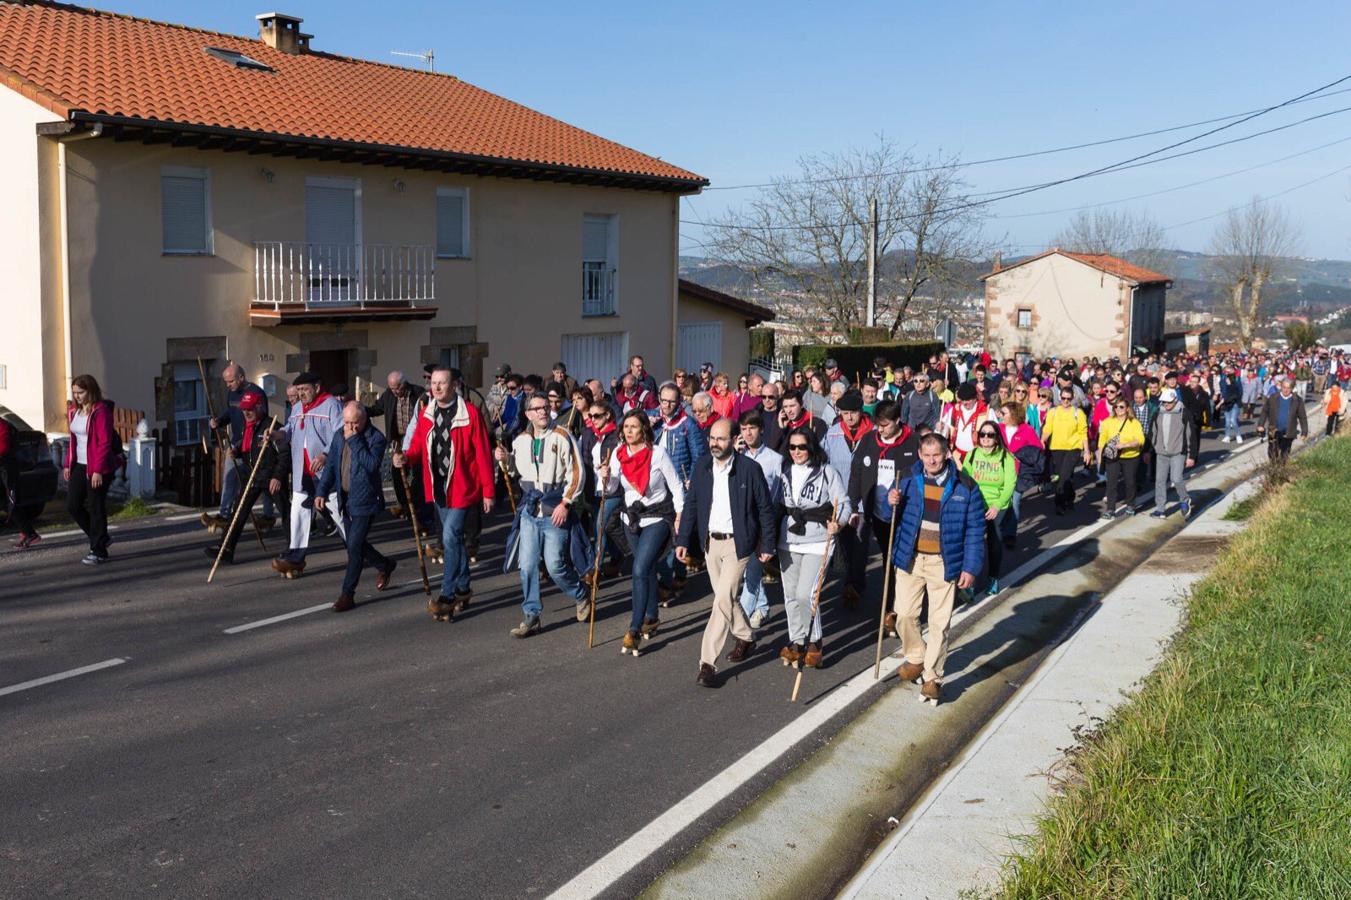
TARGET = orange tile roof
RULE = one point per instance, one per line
(71, 59)
(1112, 265)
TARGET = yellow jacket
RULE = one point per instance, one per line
(1130, 431)
(1065, 429)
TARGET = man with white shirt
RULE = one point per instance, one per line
(754, 597)
(728, 507)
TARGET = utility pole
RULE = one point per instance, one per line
(872, 262)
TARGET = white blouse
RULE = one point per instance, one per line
(79, 431)
(661, 483)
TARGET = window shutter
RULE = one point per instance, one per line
(183, 202)
(595, 240)
(330, 215)
(450, 223)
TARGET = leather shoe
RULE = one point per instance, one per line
(382, 579)
(742, 650)
(345, 602)
(708, 676)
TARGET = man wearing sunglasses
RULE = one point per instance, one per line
(1065, 434)
(922, 405)
(772, 435)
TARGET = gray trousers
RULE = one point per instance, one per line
(800, 572)
(1170, 468)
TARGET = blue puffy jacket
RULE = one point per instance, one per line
(366, 495)
(961, 523)
(685, 443)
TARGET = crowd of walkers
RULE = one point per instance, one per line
(756, 481)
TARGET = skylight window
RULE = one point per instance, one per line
(239, 60)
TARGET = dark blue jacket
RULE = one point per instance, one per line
(961, 523)
(685, 444)
(366, 493)
(753, 525)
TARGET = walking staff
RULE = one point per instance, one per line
(595, 572)
(225, 443)
(225, 544)
(886, 583)
(417, 533)
(800, 664)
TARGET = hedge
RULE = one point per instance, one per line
(858, 358)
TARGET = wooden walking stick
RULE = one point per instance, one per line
(239, 507)
(816, 604)
(595, 572)
(506, 479)
(417, 529)
(211, 411)
(886, 582)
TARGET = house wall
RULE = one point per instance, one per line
(24, 171)
(1077, 310)
(735, 337)
(510, 301)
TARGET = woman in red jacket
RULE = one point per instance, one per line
(90, 464)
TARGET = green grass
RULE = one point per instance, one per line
(1243, 510)
(134, 508)
(1229, 773)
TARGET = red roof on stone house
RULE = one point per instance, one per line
(90, 65)
(1112, 265)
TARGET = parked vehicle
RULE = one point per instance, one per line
(37, 473)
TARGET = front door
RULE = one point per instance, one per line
(333, 240)
(332, 368)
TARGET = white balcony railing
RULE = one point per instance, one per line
(598, 289)
(327, 275)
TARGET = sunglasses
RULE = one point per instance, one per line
(599, 415)
(802, 447)
(987, 435)
(1066, 396)
(1120, 406)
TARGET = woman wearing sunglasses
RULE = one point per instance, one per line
(811, 489)
(1120, 442)
(993, 468)
(597, 444)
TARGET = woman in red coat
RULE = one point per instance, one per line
(91, 461)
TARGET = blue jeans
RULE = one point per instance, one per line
(540, 535)
(360, 553)
(753, 593)
(1231, 421)
(647, 549)
(229, 494)
(455, 576)
(1009, 526)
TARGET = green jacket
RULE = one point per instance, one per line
(994, 476)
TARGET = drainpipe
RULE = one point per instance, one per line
(675, 279)
(1130, 327)
(61, 143)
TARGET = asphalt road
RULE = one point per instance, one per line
(370, 753)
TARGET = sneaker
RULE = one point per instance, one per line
(93, 559)
(1238, 439)
(583, 609)
(1185, 507)
(528, 627)
(1107, 515)
(758, 618)
(994, 587)
(1225, 439)
(1158, 514)
(1128, 511)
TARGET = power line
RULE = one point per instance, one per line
(1018, 156)
(1288, 190)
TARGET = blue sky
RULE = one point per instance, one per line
(737, 91)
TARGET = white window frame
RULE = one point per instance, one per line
(465, 243)
(1021, 310)
(611, 258)
(204, 175)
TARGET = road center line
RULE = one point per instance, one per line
(249, 626)
(62, 676)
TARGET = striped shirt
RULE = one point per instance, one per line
(928, 527)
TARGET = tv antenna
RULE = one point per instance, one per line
(429, 57)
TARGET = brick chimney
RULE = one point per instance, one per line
(998, 262)
(282, 32)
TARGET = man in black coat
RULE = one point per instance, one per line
(399, 407)
(728, 507)
(272, 473)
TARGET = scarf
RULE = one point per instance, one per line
(636, 466)
(675, 421)
(884, 446)
(802, 420)
(443, 448)
(708, 423)
(600, 433)
(865, 425)
(247, 443)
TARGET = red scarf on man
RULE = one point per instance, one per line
(802, 420)
(708, 423)
(247, 442)
(884, 446)
(865, 425)
(636, 466)
(305, 408)
(674, 421)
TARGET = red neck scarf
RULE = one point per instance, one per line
(674, 421)
(708, 423)
(865, 425)
(636, 466)
(805, 418)
(247, 442)
(306, 407)
(883, 445)
(601, 432)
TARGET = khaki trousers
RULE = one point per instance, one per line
(724, 571)
(925, 574)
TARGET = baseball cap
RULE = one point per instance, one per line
(251, 400)
(1168, 395)
(831, 363)
(504, 370)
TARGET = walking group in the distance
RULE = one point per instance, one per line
(783, 491)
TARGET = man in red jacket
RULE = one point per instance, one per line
(450, 446)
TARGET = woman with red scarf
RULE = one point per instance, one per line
(793, 414)
(597, 444)
(652, 498)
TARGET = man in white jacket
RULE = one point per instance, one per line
(309, 430)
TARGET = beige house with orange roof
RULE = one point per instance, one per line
(1077, 305)
(172, 193)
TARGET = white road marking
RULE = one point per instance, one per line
(183, 518)
(62, 676)
(249, 626)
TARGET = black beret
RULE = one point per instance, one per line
(852, 401)
(306, 378)
(966, 391)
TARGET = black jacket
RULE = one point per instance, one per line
(863, 472)
(388, 406)
(780, 446)
(1270, 416)
(754, 528)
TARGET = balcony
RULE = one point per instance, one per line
(302, 283)
(598, 289)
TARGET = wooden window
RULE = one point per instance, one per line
(185, 207)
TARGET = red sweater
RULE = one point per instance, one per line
(471, 474)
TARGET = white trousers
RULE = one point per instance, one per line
(302, 512)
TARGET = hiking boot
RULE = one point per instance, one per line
(631, 641)
(382, 579)
(889, 624)
(288, 569)
(650, 627)
(666, 595)
(214, 550)
(910, 671)
(789, 655)
(813, 658)
(441, 608)
(583, 609)
(212, 522)
(742, 650)
(708, 676)
(345, 602)
(850, 597)
(526, 628)
(462, 599)
(928, 692)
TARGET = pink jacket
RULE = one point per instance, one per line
(101, 439)
(1024, 436)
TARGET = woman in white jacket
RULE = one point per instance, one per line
(811, 491)
(653, 497)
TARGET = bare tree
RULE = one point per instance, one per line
(806, 237)
(1248, 246)
(1136, 237)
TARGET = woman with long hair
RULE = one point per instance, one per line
(1121, 440)
(1036, 411)
(992, 467)
(649, 513)
(811, 489)
(91, 461)
(724, 401)
(1022, 441)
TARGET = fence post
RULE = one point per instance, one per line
(141, 462)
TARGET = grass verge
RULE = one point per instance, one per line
(1229, 773)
